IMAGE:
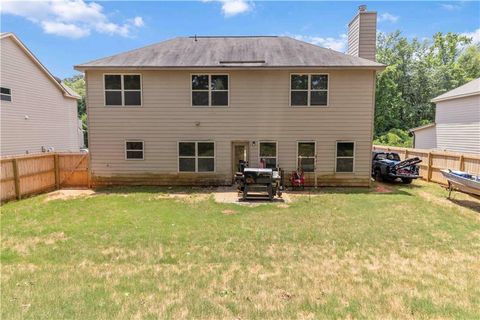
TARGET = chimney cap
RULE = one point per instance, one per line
(362, 8)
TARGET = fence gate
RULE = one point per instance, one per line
(25, 175)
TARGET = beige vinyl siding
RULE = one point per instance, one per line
(458, 124)
(426, 138)
(362, 33)
(52, 118)
(259, 110)
(353, 34)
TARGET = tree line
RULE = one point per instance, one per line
(416, 72)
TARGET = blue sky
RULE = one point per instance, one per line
(63, 33)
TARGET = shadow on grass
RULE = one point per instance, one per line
(395, 188)
(376, 188)
(153, 189)
(469, 204)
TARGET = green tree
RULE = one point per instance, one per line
(77, 83)
(416, 72)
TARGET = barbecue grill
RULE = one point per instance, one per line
(259, 183)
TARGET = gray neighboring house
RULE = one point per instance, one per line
(186, 110)
(38, 113)
(457, 122)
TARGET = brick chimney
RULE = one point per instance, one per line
(362, 34)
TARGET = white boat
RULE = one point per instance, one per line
(462, 181)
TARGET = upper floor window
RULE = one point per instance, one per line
(268, 154)
(123, 90)
(306, 156)
(196, 156)
(345, 154)
(5, 94)
(209, 90)
(309, 90)
(134, 150)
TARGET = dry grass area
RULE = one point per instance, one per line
(388, 252)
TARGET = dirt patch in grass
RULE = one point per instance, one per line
(229, 212)
(25, 245)
(382, 188)
(230, 195)
(66, 194)
(184, 197)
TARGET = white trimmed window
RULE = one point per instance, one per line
(308, 90)
(5, 94)
(209, 90)
(196, 156)
(345, 156)
(134, 150)
(267, 153)
(123, 90)
(306, 156)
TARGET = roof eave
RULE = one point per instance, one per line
(423, 127)
(83, 68)
(440, 98)
(38, 62)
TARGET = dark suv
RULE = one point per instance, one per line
(387, 166)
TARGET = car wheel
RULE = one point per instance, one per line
(406, 180)
(378, 175)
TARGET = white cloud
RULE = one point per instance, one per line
(234, 7)
(475, 35)
(337, 44)
(64, 29)
(387, 17)
(70, 18)
(138, 22)
(231, 8)
(451, 7)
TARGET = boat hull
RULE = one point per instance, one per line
(462, 184)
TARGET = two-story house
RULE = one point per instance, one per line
(185, 111)
(38, 113)
(457, 122)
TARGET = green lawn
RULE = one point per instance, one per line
(344, 253)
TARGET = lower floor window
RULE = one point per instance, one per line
(134, 150)
(306, 156)
(345, 156)
(196, 156)
(268, 154)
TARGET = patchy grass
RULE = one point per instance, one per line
(401, 252)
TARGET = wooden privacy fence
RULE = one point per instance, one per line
(434, 161)
(31, 174)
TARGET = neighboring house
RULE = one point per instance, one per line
(425, 137)
(186, 110)
(457, 121)
(38, 113)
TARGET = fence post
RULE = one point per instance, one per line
(16, 176)
(406, 154)
(56, 166)
(462, 163)
(429, 168)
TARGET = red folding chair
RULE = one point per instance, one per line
(297, 179)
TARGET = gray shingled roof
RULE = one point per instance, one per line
(468, 89)
(231, 51)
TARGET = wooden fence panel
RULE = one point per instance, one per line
(36, 174)
(25, 175)
(434, 161)
(73, 170)
(7, 178)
